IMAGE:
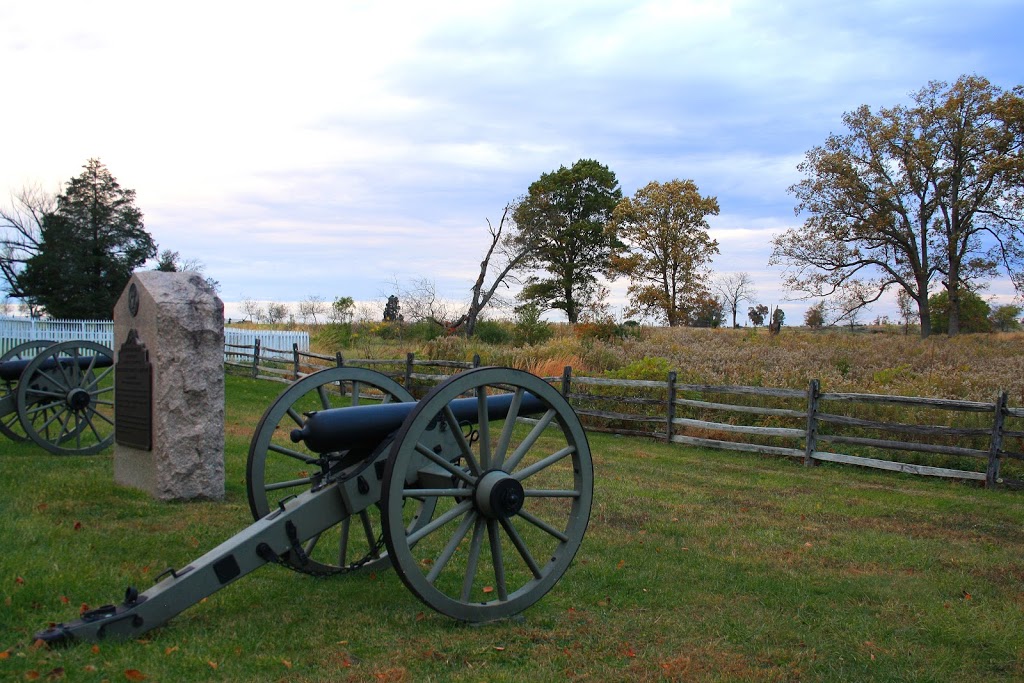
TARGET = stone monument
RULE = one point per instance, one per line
(169, 387)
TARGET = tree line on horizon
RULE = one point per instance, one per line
(926, 199)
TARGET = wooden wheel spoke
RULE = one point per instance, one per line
(449, 550)
(497, 560)
(506, 433)
(536, 467)
(436, 524)
(530, 439)
(325, 400)
(520, 546)
(464, 448)
(551, 493)
(277, 486)
(543, 526)
(302, 457)
(483, 428)
(438, 460)
(474, 558)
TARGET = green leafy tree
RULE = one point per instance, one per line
(343, 309)
(667, 249)
(974, 312)
(565, 221)
(89, 246)
(1005, 318)
(912, 195)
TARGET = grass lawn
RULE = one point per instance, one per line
(697, 565)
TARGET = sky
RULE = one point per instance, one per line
(334, 148)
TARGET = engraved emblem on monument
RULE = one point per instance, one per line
(133, 300)
(133, 395)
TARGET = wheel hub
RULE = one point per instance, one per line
(78, 399)
(498, 494)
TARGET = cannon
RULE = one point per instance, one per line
(58, 395)
(478, 495)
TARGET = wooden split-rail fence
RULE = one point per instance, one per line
(807, 424)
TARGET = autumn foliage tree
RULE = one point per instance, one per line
(913, 196)
(668, 249)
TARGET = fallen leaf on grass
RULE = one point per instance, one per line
(213, 665)
(287, 664)
(499, 648)
(90, 668)
(171, 650)
(488, 589)
(32, 675)
(18, 580)
(5, 654)
(95, 649)
(65, 599)
(134, 675)
(78, 525)
(621, 564)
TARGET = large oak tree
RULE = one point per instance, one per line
(668, 249)
(564, 222)
(914, 196)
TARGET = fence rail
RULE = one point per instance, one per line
(796, 429)
(771, 421)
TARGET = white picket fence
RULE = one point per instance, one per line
(14, 331)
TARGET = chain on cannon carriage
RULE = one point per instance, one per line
(478, 495)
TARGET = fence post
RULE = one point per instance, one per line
(409, 357)
(295, 359)
(671, 405)
(338, 359)
(996, 444)
(813, 391)
(566, 381)
(476, 360)
(255, 357)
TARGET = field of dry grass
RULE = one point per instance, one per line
(969, 367)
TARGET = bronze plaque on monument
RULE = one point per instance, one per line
(133, 395)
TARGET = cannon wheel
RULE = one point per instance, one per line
(65, 398)
(10, 425)
(509, 524)
(278, 468)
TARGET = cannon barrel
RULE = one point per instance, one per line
(361, 426)
(11, 370)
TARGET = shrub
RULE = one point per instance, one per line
(492, 332)
(529, 328)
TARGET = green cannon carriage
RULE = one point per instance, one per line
(478, 495)
(58, 395)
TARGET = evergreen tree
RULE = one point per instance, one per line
(88, 248)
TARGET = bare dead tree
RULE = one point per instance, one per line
(734, 289)
(505, 254)
(21, 231)
(312, 306)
